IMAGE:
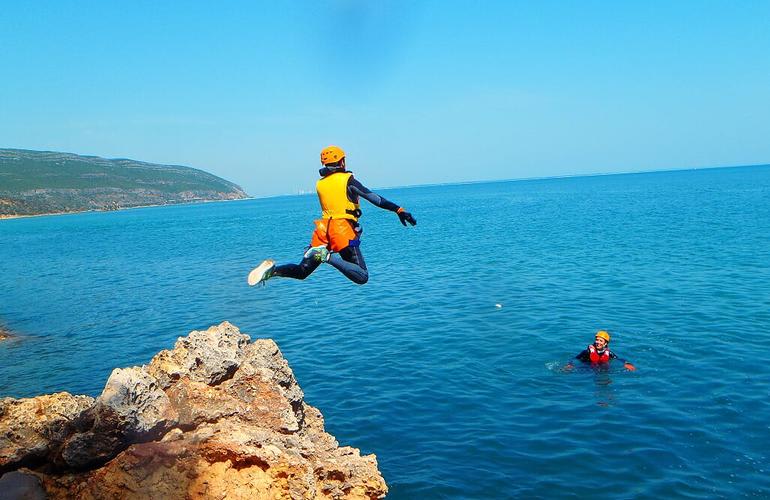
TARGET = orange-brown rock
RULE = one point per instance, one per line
(216, 417)
(32, 430)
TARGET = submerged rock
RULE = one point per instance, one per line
(216, 417)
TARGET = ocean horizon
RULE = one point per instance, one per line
(407, 186)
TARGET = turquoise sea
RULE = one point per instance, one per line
(447, 363)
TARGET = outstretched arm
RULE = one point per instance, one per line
(583, 356)
(626, 364)
(357, 189)
(586, 356)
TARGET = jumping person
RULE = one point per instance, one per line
(599, 353)
(337, 236)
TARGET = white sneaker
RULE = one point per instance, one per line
(262, 272)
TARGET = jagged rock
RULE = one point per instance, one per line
(227, 460)
(87, 449)
(209, 356)
(249, 399)
(134, 397)
(264, 358)
(215, 417)
(32, 428)
(131, 408)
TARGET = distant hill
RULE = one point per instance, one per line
(41, 182)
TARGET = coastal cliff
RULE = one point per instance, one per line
(218, 416)
(46, 182)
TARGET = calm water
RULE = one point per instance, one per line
(457, 397)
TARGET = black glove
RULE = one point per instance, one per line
(405, 217)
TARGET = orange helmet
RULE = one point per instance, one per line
(603, 335)
(331, 154)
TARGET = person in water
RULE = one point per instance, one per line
(337, 236)
(599, 353)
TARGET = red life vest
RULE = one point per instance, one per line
(596, 357)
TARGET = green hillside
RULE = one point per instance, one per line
(35, 182)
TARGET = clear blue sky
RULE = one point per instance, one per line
(415, 92)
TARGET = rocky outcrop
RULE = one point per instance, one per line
(218, 416)
(32, 430)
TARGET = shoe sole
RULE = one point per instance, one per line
(258, 273)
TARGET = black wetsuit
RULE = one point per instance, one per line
(350, 260)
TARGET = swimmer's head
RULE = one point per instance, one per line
(602, 339)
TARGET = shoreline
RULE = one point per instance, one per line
(49, 214)
(407, 186)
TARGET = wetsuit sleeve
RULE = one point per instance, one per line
(356, 190)
(615, 356)
(584, 355)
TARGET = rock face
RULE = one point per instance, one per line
(31, 430)
(216, 417)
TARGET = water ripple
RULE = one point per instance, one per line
(448, 364)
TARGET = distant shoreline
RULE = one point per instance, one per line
(7, 217)
(408, 186)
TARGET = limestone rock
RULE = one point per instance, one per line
(33, 428)
(132, 408)
(215, 417)
(134, 397)
(263, 358)
(209, 356)
(90, 448)
(226, 460)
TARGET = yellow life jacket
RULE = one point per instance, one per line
(333, 195)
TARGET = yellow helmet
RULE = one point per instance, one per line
(604, 335)
(331, 154)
